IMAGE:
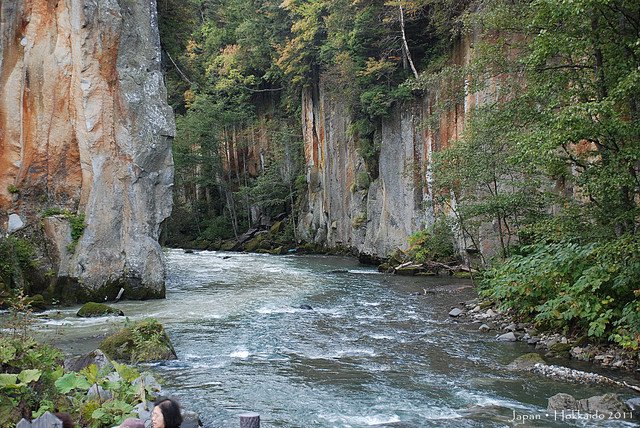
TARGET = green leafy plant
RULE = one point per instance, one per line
(32, 378)
(76, 221)
(581, 288)
(359, 221)
(434, 244)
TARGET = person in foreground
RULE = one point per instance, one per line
(132, 423)
(166, 413)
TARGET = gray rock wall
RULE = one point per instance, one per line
(378, 219)
(340, 212)
(85, 127)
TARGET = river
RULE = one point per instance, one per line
(370, 353)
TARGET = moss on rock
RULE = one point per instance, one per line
(37, 303)
(92, 309)
(145, 340)
(526, 362)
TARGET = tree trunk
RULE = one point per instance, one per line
(405, 45)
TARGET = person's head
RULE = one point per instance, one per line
(65, 418)
(166, 413)
(132, 423)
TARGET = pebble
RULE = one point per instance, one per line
(484, 328)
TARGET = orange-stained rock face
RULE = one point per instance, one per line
(84, 126)
(379, 219)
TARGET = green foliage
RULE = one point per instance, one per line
(76, 221)
(72, 381)
(433, 244)
(581, 288)
(27, 373)
(111, 412)
(360, 220)
(234, 77)
(13, 189)
(32, 377)
(563, 111)
(20, 317)
(17, 255)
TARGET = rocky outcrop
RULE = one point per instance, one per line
(377, 217)
(85, 127)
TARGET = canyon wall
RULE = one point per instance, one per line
(85, 130)
(375, 218)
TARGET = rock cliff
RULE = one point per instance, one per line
(85, 130)
(344, 210)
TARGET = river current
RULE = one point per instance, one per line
(375, 350)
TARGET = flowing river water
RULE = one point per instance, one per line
(370, 353)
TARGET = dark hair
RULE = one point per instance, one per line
(170, 409)
(65, 418)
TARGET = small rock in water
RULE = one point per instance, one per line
(507, 337)
(484, 328)
(607, 404)
(455, 312)
(188, 251)
(306, 307)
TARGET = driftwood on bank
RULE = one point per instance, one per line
(430, 268)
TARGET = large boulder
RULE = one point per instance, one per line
(600, 404)
(96, 357)
(604, 404)
(561, 402)
(142, 341)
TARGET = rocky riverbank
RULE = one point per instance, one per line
(504, 327)
(501, 326)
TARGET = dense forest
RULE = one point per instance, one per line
(550, 159)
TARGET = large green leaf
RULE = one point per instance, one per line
(72, 381)
(28, 376)
(8, 380)
(7, 353)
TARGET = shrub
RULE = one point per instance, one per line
(580, 288)
(435, 243)
(359, 221)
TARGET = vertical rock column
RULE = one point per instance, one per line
(84, 126)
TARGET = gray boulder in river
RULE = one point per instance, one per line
(600, 404)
